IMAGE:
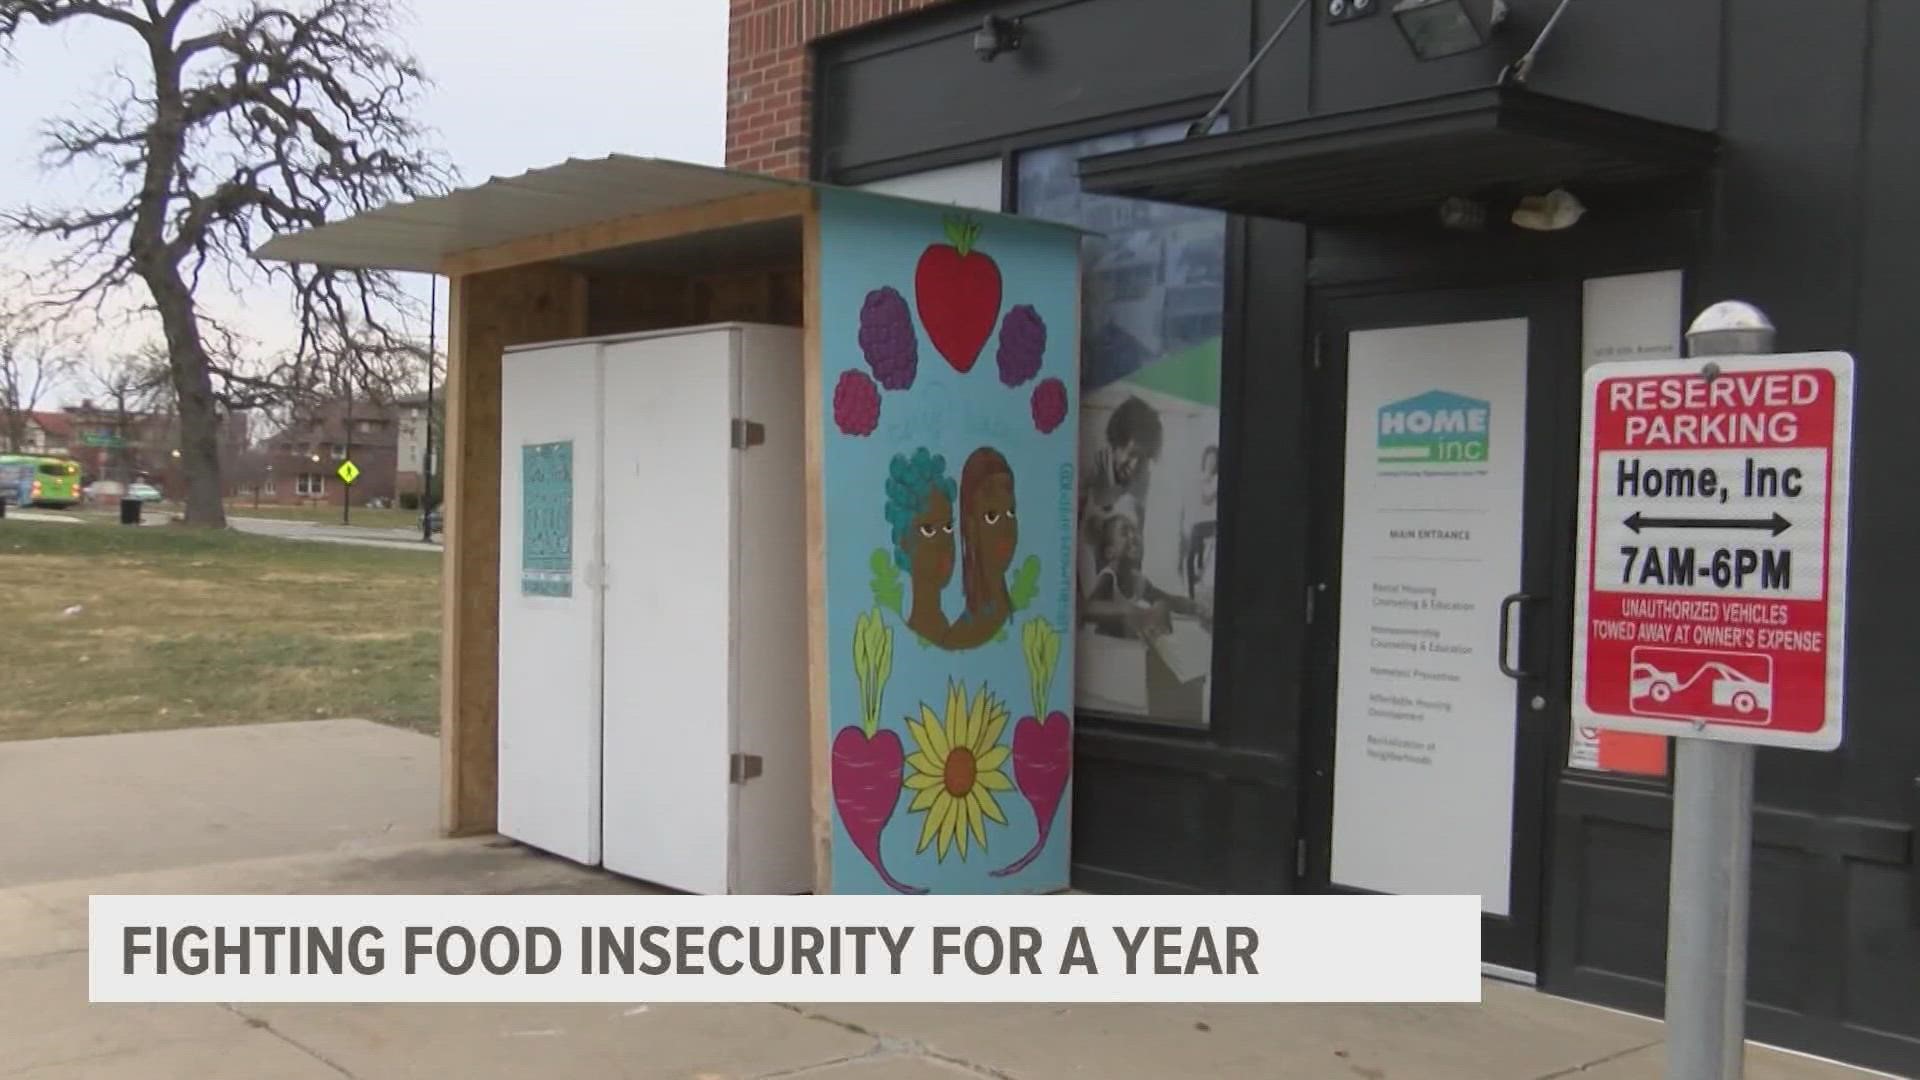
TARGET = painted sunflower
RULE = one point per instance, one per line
(956, 769)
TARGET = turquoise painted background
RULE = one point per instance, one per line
(950, 705)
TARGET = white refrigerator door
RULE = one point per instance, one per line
(670, 543)
(550, 656)
(773, 822)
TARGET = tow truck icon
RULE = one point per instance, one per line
(1690, 684)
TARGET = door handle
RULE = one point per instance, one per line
(1913, 856)
(1506, 635)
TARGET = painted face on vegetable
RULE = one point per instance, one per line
(930, 539)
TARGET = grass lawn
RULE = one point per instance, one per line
(183, 628)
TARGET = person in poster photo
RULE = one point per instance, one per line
(1121, 601)
(1114, 484)
(1124, 465)
(1201, 522)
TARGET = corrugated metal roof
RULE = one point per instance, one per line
(419, 235)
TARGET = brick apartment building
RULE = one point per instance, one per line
(299, 465)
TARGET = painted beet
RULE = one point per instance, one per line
(1042, 764)
(866, 788)
(1042, 748)
(867, 763)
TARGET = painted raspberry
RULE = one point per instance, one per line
(886, 337)
(856, 404)
(1023, 342)
(1049, 405)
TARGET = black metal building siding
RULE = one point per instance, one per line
(1813, 213)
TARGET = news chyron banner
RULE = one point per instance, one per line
(754, 949)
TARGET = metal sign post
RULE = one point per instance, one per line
(1711, 880)
(1710, 606)
(1707, 910)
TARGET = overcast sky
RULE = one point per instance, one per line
(519, 85)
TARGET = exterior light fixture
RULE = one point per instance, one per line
(1556, 210)
(995, 36)
(1440, 28)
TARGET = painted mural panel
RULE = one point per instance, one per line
(949, 346)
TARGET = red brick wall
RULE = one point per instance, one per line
(769, 78)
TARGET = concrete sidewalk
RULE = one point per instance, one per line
(108, 804)
(48, 1030)
(347, 807)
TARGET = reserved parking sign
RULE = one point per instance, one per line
(1712, 548)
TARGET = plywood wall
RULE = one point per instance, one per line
(626, 303)
(488, 312)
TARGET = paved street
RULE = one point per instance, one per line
(333, 534)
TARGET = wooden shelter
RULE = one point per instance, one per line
(619, 245)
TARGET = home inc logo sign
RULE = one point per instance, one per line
(1435, 428)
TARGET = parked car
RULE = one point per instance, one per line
(16, 483)
(143, 491)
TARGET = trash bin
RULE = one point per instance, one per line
(130, 511)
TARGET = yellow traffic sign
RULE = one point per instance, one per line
(349, 472)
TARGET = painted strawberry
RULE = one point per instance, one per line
(957, 291)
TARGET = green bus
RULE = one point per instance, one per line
(53, 481)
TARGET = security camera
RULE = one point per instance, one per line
(995, 36)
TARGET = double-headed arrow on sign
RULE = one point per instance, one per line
(1775, 524)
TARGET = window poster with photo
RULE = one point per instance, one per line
(1153, 307)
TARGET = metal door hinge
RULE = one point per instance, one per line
(1319, 351)
(1300, 857)
(748, 433)
(1313, 592)
(743, 767)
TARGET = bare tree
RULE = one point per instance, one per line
(269, 116)
(135, 387)
(30, 364)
